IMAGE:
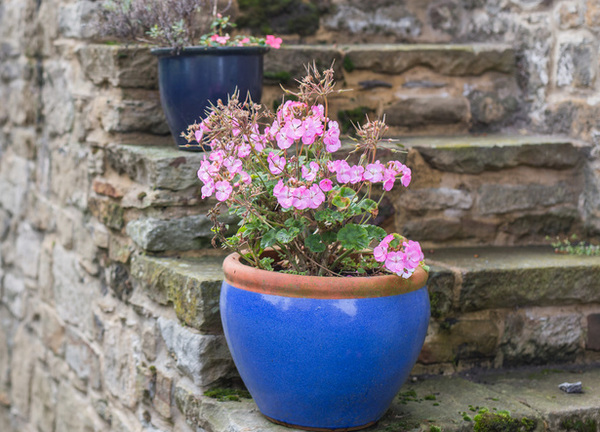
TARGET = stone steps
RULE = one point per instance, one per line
(422, 89)
(466, 190)
(448, 403)
(491, 307)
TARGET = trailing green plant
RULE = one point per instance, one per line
(573, 246)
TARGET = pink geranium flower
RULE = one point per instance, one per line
(273, 42)
(223, 190)
(331, 138)
(325, 185)
(310, 173)
(374, 172)
(276, 163)
(316, 197)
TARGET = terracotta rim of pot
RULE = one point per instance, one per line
(321, 287)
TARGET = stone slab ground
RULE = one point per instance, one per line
(448, 403)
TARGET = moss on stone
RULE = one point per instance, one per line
(501, 421)
(282, 77)
(227, 394)
(279, 16)
(577, 424)
(348, 64)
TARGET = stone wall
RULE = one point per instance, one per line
(88, 182)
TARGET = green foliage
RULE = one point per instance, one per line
(501, 421)
(227, 394)
(351, 118)
(573, 246)
(577, 424)
(279, 16)
(353, 237)
(348, 64)
(434, 428)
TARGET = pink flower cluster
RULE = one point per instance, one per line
(403, 259)
(296, 124)
(225, 40)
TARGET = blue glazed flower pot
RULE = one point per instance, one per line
(323, 354)
(189, 81)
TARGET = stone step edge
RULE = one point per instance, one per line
(455, 288)
(449, 403)
(170, 168)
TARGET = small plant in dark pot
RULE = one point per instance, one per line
(198, 61)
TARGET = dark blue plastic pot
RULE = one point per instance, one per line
(190, 80)
(334, 360)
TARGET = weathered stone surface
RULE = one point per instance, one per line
(57, 97)
(489, 109)
(134, 110)
(465, 338)
(70, 401)
(14, 177)
(14, 295)
(531, 338)
(119, 365)
(205, 359)
(427, 110)
(441, 290)
(568, 14)
(186, 233)
(53, 329)
(387, 18)
(74, 291)
(77, 20)
(444, 59)
(162, 399)
(28, 248)
(25, 351)
(500, 277)
(156, 167)
(550, 223)
(43, 403)
(192, 286)
(119, 66)
(83, 360)
(436, 228)
(593, 332)
(291, 61)
(577, 65)
(436, 199)
(107, 211)
(473, 155)
(499, 199)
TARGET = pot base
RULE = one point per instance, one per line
(318, 429)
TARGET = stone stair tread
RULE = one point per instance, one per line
(446, 402)
(508, 277)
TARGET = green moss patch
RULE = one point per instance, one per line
(227, 394)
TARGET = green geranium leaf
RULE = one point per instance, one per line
(315, 243)
(353, 237)
(346, 192)
(268, 239)
(328, 215)
(368, 205)
(375, 232)
(286, 236)
(341, 202)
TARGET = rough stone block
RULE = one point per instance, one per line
(14, 295)
(71, 410)
(473, 155)
(499, 198)
(435, 228)
(593, 332)
(531, 338)
(436, 199)
(28, 247)
(374, 17)
(133, 110)
(162, 399)
(79, 20)
(53, 329)
(107, 211)
(468, 337)
(568, 14)
(205, 359)
(119, 66)
(74, 291)
(461, 60)
(57, 97)
(577, 62)
(517, 277)
(291, 60)
(157, 235)
(25, 351)
(192, 286)
(420, 111)
(43, 403)
(156, 167)
(441, 289)
(119, 365)
(83, 360)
